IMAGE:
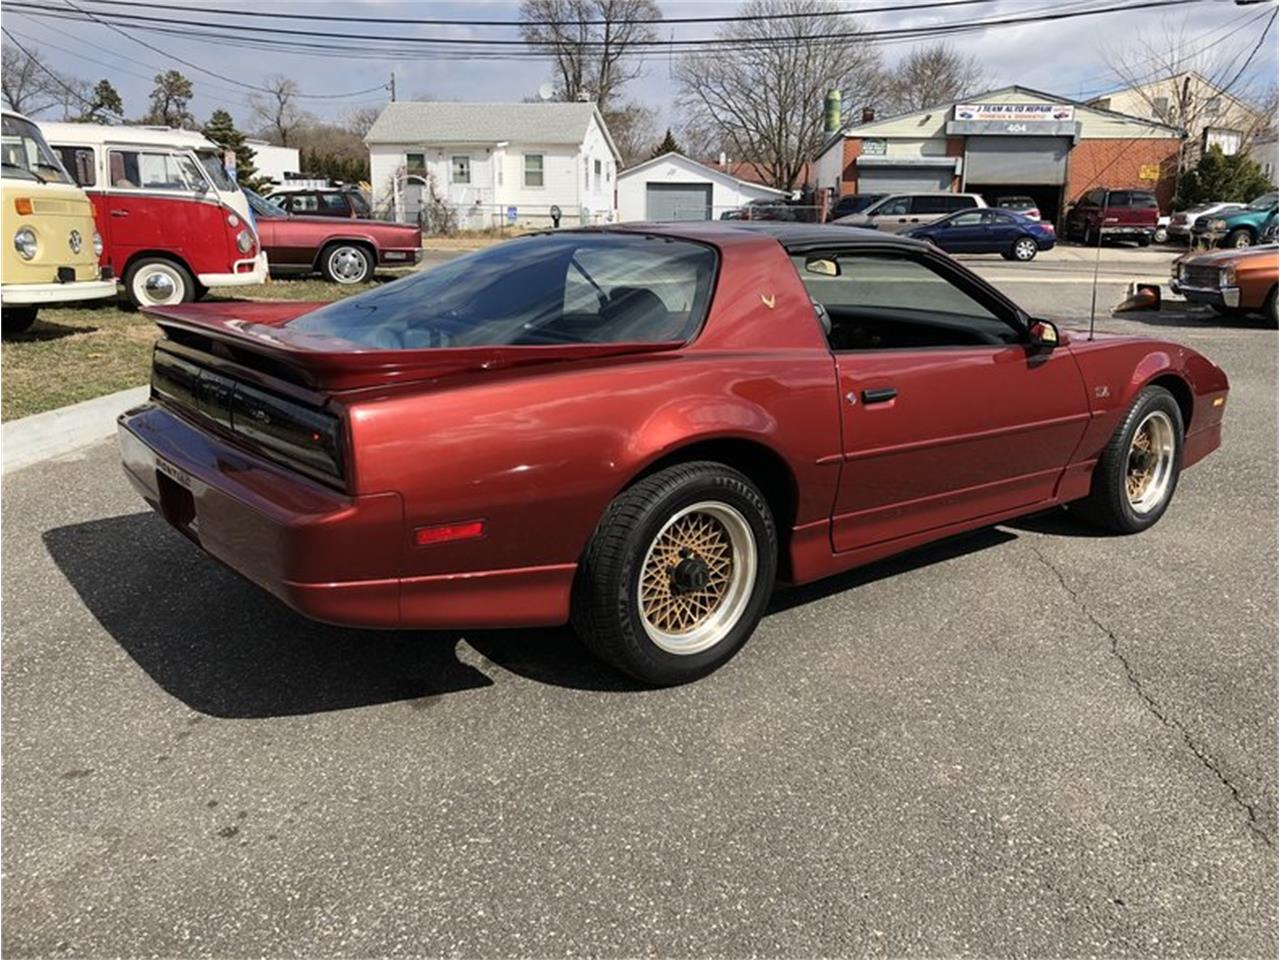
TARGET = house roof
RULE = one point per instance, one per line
(710, 172)
(850, 128)
(1175, 77)
(413, 122)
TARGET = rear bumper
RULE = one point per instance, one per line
(244, 273)
(25, 293)
(330, 556)
(1128, 231)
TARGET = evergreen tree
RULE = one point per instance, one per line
(1234, 179)
(668, 145)
(170, 101)
(103, 99)
(221, 129)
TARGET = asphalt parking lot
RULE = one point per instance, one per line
(1029, 741)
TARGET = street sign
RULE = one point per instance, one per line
(229, 161)
(511, 214)
(1149, 171)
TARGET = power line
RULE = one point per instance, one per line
(698, 43)
(55, 78)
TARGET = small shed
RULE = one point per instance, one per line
(673, 187)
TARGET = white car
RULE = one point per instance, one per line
(1180, 224)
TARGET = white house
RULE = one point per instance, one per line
(273, 161)
(673, 187)
(494, 162)
(1267, 155)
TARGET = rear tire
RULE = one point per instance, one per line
(156, 281)
(17, 319)
(677, 573)
(1024, 250)
(346, 263)
(1162, 235)
(1137, 474)
(1144, 241)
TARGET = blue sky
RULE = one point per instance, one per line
(1065, 57)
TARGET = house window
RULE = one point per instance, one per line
(533, 169)
(460, 169)
(1161, 106)
(599, 167)
(415, 163)
(586, 174)
(1213, 106)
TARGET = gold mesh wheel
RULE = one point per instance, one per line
(697, 578)
(1150, 465)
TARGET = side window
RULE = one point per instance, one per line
(891, 302)
(415, 163)
(960, 202)
(304, 203)
(1144, 200)
(460, 169)
(894, 207)
(334, 203)
(359, 204)
(80, 163)
(1093, 198)
(930, 204)
(136, 169)
(995, 217)
(971, 219)
(533, 169)
(1118, 198)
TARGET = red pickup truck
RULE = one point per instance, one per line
(343, 250)
(1113, 215)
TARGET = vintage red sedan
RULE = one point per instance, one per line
(641, 429)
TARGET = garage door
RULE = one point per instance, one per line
(677, 201)
(1008, 160)
(903, 179)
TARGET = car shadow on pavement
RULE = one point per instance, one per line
(1205, 319)
(226, 648)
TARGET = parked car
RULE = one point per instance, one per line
(1232, 281)
(1113, 215)
(988, 231)
(1183, 222)
(904, 211)
(1236, 228)
(1269, 231)
(1162, 228)
(344, 251)
(642, 437)
(312, 202)
(173, 222)
(1021, 205)
(52, 245)
(853, 203)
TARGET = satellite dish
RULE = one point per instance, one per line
(546, 91)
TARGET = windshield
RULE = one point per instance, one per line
(1014, 203)
(212, 164)
(570, 288)
(1264, 202)
(25, 154)
(263, 208)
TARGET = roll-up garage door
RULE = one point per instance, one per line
(903, 179)
(1008, 160)
(677, 201)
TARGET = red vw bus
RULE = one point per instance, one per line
(173, 222)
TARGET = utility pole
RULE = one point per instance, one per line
(393, 86)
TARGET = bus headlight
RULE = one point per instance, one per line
(244, 240)
(24, 241)
(97, 243)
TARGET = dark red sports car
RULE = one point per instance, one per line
(342, 250)
(641, 429)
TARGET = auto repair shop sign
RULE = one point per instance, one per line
(1035, 119)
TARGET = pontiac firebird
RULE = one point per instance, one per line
(641, 429)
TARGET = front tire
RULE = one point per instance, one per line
(346, 263)
(1239, 239)
(678, 573)
(1024, 250)
(17, 319)
(1137, 474)
(155, 281)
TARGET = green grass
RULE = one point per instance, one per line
(79, 352)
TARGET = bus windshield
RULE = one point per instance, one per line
(25, 154)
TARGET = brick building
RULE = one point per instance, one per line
(1011, 141)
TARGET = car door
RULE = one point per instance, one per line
(999, 231)
(961, 233)
(890, 215)
(949, 415)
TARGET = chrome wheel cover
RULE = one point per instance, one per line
(348, 265)
(1024, 249)
(157, 284)
(697, 578)
(1149, 472)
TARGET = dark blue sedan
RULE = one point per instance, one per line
(988, 231)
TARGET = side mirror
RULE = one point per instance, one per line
(1043, 335)
(822, 266)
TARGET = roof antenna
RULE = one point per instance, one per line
(1097, 258)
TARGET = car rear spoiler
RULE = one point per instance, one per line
(250, 332)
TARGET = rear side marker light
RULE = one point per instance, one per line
(448, 532)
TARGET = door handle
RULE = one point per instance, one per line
(119, 213)
(879, 395)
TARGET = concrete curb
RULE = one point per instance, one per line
(57, 432)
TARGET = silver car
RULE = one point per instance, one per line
(900, 212)
(1183, 222)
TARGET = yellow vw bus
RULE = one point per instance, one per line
(51, 248)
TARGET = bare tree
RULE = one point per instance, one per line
(592, 43)
(764, 94)
(276, 110)
(25, 86)
(1184, 83)
(632, 127)
(931, 75)
(360, 119)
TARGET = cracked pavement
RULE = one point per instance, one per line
(1032, 741)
